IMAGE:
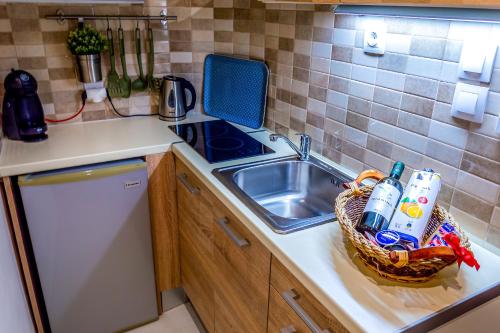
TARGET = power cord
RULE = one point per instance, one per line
(84, 100)
(126, 115)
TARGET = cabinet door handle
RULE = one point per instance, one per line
(288, 329)
(184, 180)
(240, 242)
(289, 296)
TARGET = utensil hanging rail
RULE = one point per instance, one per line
(61, 17)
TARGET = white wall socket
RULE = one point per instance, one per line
(375, 38)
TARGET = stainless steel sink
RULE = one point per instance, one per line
(288, 194)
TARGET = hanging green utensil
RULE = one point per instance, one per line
(114, 86)
(139, 84)
(125, 84)
(151, 60)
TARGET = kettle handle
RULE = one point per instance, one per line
(187, 85)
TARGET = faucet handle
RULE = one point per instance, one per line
(304, 138)
(303, 135)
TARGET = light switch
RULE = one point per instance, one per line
(473, 61)
(478, 56)
(466, 102)
(469, 102)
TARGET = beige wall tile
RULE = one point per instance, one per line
(30, 50)
(473, 206)
(470, 223)
(8, 51)
(5, 25)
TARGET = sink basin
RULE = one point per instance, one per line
(288, 194)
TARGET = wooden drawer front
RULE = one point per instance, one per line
(282, 319)
(242, 284)
(306, 306)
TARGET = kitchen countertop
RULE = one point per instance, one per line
(90, 142)
(319, 257)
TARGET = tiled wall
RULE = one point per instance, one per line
(208, 26)
(362, 111)
(30, 42)
(368, 111)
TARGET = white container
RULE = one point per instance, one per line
(415, 207)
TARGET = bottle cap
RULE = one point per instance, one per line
(386, 237)
(398, 168)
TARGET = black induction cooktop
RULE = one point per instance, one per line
(219, 141)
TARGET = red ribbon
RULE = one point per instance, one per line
(462, 253)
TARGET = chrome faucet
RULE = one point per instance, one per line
(305, 144)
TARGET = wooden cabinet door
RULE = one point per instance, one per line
(242, 285)
(282, 319)
(196, 244)
(302, 302)
(225, 270)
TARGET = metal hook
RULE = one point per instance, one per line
(107, 20)
(137, 22)
(164, 19)
(120, 20)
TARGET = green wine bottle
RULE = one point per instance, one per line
(382, 202)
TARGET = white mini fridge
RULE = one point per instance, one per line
(90, 232)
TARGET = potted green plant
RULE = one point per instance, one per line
(87, 44)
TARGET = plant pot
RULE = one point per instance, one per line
(89, 68)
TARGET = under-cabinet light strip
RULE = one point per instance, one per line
(428, 13)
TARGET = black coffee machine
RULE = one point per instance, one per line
(22, 117)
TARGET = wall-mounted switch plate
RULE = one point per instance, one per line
(476, 61)
(469, 102)
(375, 36)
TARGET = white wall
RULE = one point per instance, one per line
(14, 312)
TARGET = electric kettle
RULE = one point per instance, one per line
(173, 102)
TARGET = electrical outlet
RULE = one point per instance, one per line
(375, 37)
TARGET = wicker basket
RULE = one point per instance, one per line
(349, 208)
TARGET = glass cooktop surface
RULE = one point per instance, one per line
(219, 141)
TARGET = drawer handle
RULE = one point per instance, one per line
(240, 242)
(289, 296)
(184, 180)
(289, 329)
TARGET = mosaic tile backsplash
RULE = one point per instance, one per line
(362, 111)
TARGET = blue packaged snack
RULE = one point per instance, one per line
(386, 237)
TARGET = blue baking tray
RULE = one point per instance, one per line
(235, 89)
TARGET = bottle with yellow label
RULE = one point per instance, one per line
(415, 207)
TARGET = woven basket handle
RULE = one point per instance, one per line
(367, 174)
(402, 258)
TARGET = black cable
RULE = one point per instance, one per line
(126, 115)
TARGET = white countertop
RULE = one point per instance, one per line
(90, 142)
(319, 257)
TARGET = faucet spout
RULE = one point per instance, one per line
(305, 144)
